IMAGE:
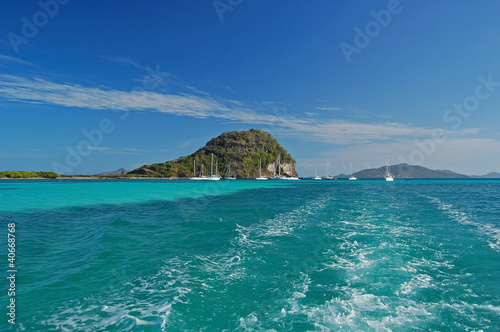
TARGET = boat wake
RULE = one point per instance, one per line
(490, 233)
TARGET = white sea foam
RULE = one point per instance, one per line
(431, 264)
(147, 300)
(359, 311)
(251, 323)
(139, 321)
(495, 309)
(261, 234)
(417, 282)
(225, 267)
(490, 231)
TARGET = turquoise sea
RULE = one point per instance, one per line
(161, 255)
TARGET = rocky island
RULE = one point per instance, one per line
(237, 153)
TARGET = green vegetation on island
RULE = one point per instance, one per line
(236, 153)
(28, 175)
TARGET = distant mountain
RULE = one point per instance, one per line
(492, 175)
(406, 171)
(236, 153)
(445, 171)
(118, 171)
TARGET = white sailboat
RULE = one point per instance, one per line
(213, 177)
(291, 178)
(284, 177)
(317, 177)
(194, 177)
(274, 171)
(199, 177)
(388, 175)
(327, 173)
(260, 171)
(229, 176)
(279, 177)
(352, 177)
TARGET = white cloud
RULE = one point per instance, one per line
(5, 58)
(330, 108)
(122, 60)
(201, 105)
(98, 148)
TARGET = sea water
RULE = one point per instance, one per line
(161, 255)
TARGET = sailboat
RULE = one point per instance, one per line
(317, 177)
(388, 175)
(284, 177)
(260, 171)
(213, 177)
(352, 177)
(199, 177)
(327, 173)
(274, 172)
(194, 177)
(291, 178)
(279, 177)
(229, 176)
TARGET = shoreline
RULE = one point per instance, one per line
(158, 178)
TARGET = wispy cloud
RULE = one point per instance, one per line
(6, 58)
(330, 108)
(132, 151)
(98, 148)
(202, 105)
(122, 60)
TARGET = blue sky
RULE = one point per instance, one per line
(93, 86)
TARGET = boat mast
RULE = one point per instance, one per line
(211, 165)
(387, 169)
(279, 165)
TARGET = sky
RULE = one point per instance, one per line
(93, 86)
